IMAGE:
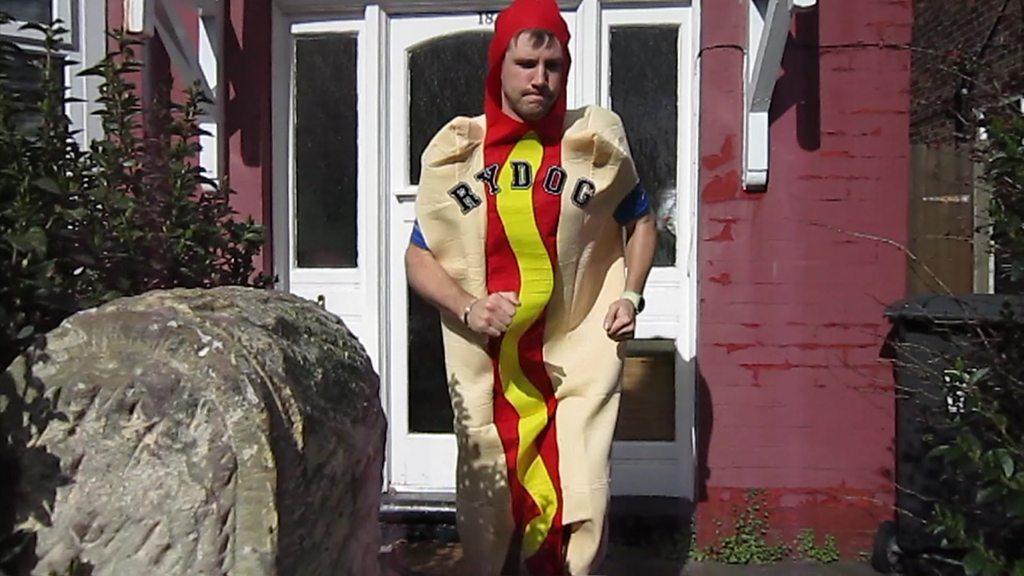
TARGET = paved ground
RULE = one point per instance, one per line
(442, 559)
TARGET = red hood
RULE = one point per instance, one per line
(523, 15)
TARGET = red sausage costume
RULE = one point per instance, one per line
(528, 208)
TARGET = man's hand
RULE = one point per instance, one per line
(493, 315)
(620, 322)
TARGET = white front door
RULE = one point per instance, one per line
(362, 97)
(436, 67)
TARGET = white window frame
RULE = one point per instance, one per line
(84, 47)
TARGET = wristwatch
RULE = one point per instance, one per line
(636, 298)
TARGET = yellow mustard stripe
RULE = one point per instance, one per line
(515, 207)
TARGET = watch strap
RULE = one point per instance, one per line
(635, 298)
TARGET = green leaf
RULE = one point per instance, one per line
(939, 451)
(31, 240)
(47, 184)
(1015, 508)
(1006, 461)
(978, 375)
(989, 494)
(974, 563)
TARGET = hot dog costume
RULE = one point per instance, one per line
(528, 208)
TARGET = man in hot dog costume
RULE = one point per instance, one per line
(519, 242)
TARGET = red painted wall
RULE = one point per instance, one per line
(247, 37)
(793, 397)
(247, 44)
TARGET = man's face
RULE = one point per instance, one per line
(532, 78)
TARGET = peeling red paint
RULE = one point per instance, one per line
(724, 279)
(821, 346)
(879, 111)
(714, 161)
(722, 188)
(834, 177)
(836, 154)
(850, 325)
(730, 348)
(724, 236)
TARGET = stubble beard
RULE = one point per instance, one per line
(531, 110)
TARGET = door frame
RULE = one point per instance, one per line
(377, 201)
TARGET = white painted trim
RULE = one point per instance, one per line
(368, 216)
(184, 53)
(138, 17)
(766, 32)
(93, 48)
(376, 50)
(327, 27)
(210, 53)
(687, 345)
(589, 53)
(407, 7)
(281, 104)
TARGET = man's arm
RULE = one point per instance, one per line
(641, 240)
(491, 315)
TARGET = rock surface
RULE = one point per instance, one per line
(223, 431)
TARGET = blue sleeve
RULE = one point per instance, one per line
(633, 206)
(417, 238)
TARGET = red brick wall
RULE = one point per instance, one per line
(793, 396)
(982, 38)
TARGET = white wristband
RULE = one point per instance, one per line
(634, 297)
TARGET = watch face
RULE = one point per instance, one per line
(640, 304)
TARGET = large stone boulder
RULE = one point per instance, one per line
(224, 431)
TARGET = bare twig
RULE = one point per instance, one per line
(890, 242)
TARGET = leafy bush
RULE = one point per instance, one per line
(981, 522)
(131, 212)
(1004, 174)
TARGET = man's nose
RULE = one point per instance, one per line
(539, 76)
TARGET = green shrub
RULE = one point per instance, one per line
(981, 523)
(1004, 175)
(131, 212)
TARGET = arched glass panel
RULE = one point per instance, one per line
(446, 79)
